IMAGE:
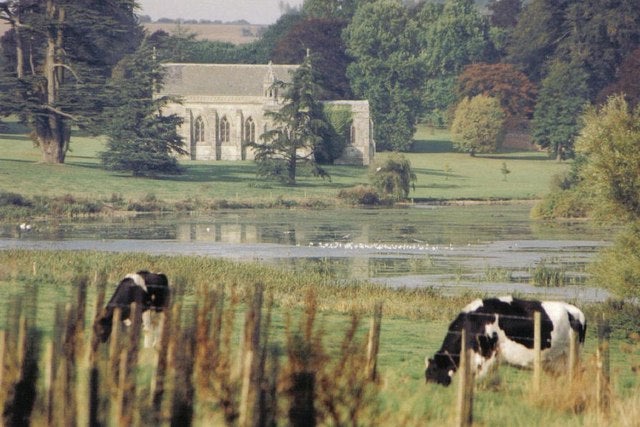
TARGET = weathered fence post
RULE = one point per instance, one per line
(251, 377)
(574, 358)
(602, 363)
(3, 348)
(537, 352)
(464, 414)
(373, 345)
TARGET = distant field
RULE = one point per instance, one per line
(232, 33)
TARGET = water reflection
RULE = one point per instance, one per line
(415, 246)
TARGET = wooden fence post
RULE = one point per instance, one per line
(251, 377)
(602, 363)
(464, 414)
(574, 357)
(3, 344)
(373, 345)
(537, 353)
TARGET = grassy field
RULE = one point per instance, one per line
(413, 325)
(442, 175)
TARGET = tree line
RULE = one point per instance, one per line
(72, 63)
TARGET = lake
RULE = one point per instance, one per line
(494, 248)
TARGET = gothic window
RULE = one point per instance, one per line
(249, 130)
(225, 130)
(199, 130)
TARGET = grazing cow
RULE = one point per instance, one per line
(501, 329)
(149, 290)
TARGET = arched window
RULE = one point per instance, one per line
(352, 135)
(225, 130)
(199, 130)
(249, 130)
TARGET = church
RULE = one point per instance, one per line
(224, 105)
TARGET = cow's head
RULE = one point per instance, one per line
(157, 286)
(440, 369)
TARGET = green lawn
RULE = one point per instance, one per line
(442, 174)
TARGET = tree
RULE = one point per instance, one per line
(536, 35)
(516, 93)
(386, 70)
(478, 125)
(322, 39)
(626, 82)
(561, 101)
(505, 13)
(609, 140)
(141, 139)
(61, 53)
(393, 177)
(600, 34)
(330, 9)
(451, 36)
(298, 130)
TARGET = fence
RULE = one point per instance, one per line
(192, 374)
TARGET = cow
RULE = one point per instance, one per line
(501, 329)
(149, 290)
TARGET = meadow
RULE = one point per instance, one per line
(442, 175)
(412, 327)
(414, 320)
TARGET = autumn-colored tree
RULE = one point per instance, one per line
(478, 125)
(515, 91)
(627, 82)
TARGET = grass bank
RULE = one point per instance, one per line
(441, 175)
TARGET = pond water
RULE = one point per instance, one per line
(493, 248)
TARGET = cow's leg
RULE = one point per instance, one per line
(147, 329)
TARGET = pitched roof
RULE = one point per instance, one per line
(222, 79)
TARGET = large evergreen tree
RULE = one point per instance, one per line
(141, 139)
(59, 55)
(562, 98)
(298, 130)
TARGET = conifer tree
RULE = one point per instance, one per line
(58, 55)
(298, 130)
(141, 139)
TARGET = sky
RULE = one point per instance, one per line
(254, 11)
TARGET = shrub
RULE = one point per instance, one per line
(393, 178)
(7, 198)
(360, 195)
(478, 125)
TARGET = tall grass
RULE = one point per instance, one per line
(413, 325)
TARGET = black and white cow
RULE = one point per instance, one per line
(149, 290)
(501, 329)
